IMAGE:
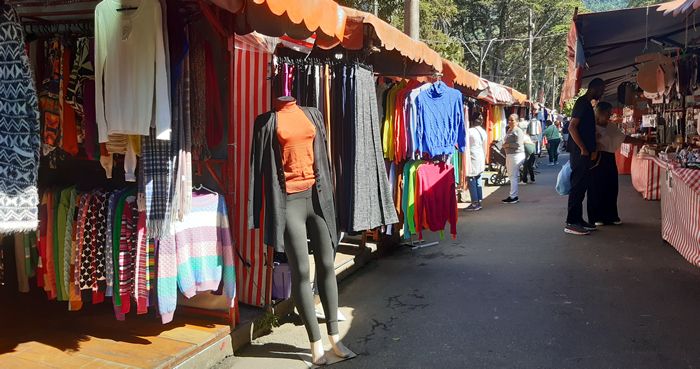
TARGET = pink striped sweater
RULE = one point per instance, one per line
(196, 255)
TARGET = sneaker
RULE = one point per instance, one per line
(556, 163)
(588, 226)
(617, 222)
(576, 229)
(473, 207)
(511, 200)
(552, 164)
(532, 181)
(599, 224)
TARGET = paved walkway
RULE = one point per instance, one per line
(513, 291)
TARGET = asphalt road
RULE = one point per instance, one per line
(514, 291)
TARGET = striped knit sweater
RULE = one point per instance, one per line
(196, 255)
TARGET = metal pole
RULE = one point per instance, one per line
(483, 56)
(376, 8)
(411, 25)
(529, 36)
(554, 86)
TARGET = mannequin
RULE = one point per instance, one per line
(300, 208)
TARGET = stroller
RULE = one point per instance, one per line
(498, 165)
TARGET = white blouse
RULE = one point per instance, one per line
(477, 157)
(609, 138)
(131, 82)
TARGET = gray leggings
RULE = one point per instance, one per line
(303, 216)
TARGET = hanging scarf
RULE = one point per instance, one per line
(198, 105)
(19, 122)
(154, 189)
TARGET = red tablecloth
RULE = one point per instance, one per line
(680, 212)
(623, 158)
(646, 175)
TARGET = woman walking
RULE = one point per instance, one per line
(553, 140)
(514, 144)
(477, 162)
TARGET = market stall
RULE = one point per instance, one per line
(646, 173)
(650, 68)
(680, 211)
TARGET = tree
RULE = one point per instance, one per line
(494, 33)
(436, 18)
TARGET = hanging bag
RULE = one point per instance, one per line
(563, 186)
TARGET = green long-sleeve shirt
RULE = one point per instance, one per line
(552, 133)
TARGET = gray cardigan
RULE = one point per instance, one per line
(267, 179)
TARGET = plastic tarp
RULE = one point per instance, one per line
(495, 93)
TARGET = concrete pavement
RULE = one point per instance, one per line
(513, 291)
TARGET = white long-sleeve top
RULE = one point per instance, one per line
(130, 67)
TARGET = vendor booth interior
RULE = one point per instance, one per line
(129, 195)
(649, 58)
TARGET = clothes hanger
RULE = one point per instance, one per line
(201, 187)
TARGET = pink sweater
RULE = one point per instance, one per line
(436, 200)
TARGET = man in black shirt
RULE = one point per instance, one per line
(581, 144)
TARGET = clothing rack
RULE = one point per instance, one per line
(75, 27)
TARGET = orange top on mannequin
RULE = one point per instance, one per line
(296, 134)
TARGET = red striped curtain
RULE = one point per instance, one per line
(251, 98)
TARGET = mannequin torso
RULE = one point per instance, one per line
(296, 137)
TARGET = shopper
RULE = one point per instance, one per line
(553, 140)
(603, 191)
(514, 145)
(581, 145)
(477, 162)
(530, 159)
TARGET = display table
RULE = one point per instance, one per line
(623, 157)
(646, 175)
(680, 211)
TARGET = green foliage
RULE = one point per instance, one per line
(569, 105)
(436, 17)
(506, 59)
(607, 5)
(267, 322)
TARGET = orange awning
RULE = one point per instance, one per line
(459, 76)
(518, 96)
(298, 19)
(388, 37)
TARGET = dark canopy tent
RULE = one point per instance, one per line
(611, 41)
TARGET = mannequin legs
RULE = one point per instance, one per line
(303, 221)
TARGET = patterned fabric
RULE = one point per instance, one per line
(19, 123)
(92, 264)
(48, 99)
(109, 257)
(82, 70)
(127, 250)
(141, 285)
(156, 167)
(79, 240)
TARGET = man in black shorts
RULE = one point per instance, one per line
(581, 145)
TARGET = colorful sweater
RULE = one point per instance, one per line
(196, 255)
